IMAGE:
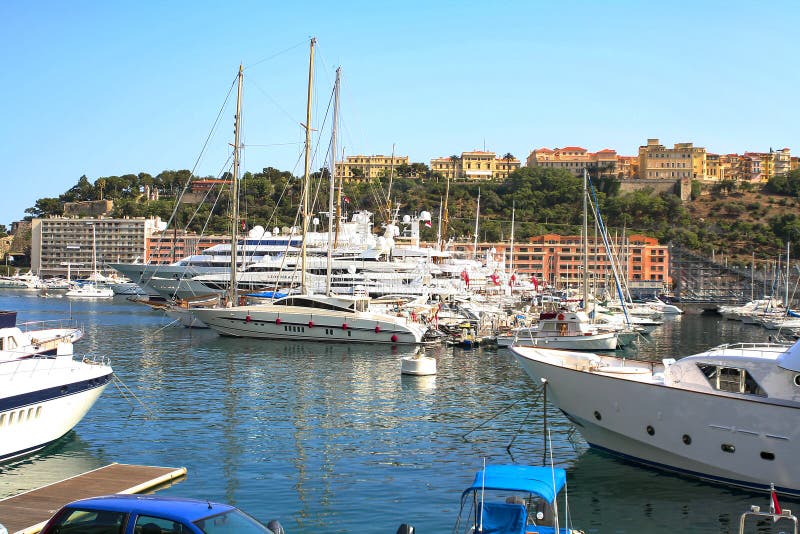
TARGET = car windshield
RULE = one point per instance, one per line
(232, 521)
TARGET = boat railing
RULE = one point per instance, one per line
(764, 348)
(755, 514)
(48, 324)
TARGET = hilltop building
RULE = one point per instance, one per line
(684, 160)
(357, 168)
(475, 165)
(574, 159)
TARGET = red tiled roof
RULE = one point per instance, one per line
(544, 149)
(605, 150)
(572, 148)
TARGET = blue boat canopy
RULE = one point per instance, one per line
(537, 480)
(268, 294)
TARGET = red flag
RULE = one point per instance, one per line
(428, 224)
(512, 279)
(535, 283)
(775, 508)
(494, 278)
(347, 200)
(243, 225)
(465, 277)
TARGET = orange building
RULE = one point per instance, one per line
(164, 248)
(557, 260)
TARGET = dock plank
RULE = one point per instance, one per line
(27, 512)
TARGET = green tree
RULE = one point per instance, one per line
(46, 207)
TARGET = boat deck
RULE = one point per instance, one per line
(27, 512)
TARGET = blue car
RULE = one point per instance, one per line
(148, 514)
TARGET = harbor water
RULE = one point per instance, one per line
(331, 438)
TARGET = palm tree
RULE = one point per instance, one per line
(509, 157)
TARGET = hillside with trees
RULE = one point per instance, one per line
(734, 220)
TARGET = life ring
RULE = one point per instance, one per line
(560, 317)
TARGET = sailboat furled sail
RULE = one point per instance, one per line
(308, 316)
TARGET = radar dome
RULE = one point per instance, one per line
(406, 219)
(256, 231)
(425, 216)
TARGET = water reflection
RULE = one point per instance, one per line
(333, 438)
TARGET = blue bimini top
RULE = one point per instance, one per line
(536, 480)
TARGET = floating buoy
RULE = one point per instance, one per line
(377, 328)
(311, 324)
(247, 318)
(560, 317)
(344, 326)
(278, 320)
(394, 338)
(418, 365)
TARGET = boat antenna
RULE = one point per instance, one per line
(483, 489)
(553, 472)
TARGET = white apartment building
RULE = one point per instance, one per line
(60, 244)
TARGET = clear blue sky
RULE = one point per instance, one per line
(109, 88)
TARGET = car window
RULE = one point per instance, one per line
(231, 522)
(146, 524)
(82, 521)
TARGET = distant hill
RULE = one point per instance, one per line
(723, 218)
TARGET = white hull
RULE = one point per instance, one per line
(613, 411)
(43, 399)
(299, 323)
(596, 342)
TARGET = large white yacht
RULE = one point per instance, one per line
(729, 415)
(43, 398)
(342, 318)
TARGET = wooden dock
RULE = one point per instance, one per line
(27, 512)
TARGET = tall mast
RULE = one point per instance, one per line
(331, 219)
(306, 175)
(235, 191)
(585, 242)
(477, 216)
(389, 216)
(511, 252)
(445, 218)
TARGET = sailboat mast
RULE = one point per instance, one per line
(511, 252)
(477, 216)
(585, 242)
(235, 191)
(445, 217)
(331, 219)
(389, 216)
(306, 174)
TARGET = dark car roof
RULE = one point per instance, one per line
(168, 507)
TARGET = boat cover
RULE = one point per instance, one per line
(545, 482)
(8, 319)
(496, 517)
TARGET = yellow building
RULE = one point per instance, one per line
(356, 168)
(684, 160)
(574, 159)
(475, 165)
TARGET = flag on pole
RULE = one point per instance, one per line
(243, 225)
(535, 283)
(774, 507)
(346, 200)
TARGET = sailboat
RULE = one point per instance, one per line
(90, 289)
(308, 316)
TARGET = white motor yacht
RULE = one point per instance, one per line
(43, 398)
(342, 318)
(16, 344)
(729, 415)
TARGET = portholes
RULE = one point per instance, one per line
(687, 439)
(597, 415)
(727, 447)
(650, 430)
(767, 455)
(797, 380)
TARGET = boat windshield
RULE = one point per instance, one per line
(230, 522)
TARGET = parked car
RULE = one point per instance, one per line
(149, 514)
